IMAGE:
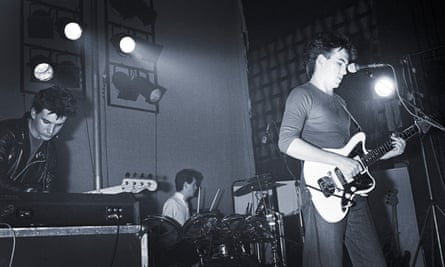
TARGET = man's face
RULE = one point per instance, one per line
(190, 189)
(45, 124)
(334, 67)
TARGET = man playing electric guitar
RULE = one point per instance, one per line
(316, 118)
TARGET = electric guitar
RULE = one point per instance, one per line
(331, 194)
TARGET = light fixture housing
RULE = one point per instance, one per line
(124, 84)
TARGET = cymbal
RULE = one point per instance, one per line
(256, 186)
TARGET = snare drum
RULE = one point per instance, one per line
(201, 226)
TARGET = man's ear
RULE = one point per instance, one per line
(33, 113)
(320, 59)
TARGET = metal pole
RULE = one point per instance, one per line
(96, 98)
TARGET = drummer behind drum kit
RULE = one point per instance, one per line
(235, 240)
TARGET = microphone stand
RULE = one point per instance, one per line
(433, 208)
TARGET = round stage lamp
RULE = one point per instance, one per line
(72, 31)
(43, 72)
(127, 44)
(155, 95)
(384, 87)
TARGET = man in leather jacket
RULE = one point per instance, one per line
(27, 153)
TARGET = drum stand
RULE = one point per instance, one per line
(275, 221)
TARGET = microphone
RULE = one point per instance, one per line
(353, 67)
(265, 137)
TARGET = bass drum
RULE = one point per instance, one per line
(164, 232)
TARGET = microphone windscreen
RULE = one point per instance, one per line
(352, 68)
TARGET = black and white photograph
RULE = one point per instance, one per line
(222, 133)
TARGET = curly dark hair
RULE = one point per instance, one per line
(57, 100)
(324, 43)
(186, 176)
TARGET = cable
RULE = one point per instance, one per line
(116, 241)
(11, 258)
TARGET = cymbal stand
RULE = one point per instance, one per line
(278, 244)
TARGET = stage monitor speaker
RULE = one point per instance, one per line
(390, 184)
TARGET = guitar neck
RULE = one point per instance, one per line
(374, 155)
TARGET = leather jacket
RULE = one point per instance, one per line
(16, 173)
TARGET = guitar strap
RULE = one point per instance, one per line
(359, 128)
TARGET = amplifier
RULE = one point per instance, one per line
(68, 209)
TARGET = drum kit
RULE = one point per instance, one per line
(230, 238)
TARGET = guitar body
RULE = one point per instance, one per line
(331, 194)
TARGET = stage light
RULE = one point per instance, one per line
(124, 43)
(130, 89)
(152, 93)
(138, 47)
(43, 72)
(125, 86)
(40, 24)
(42, 68)
(384, 87)
(127, 44)
(156, 94)
(69, 28)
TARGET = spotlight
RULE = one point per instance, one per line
(124, 43)
(156, 94)
(127, 44)
(140, 48)
(125, 86)
(150, 91)
(40, 24)
(384, 87)
(42, 68)
(69, 28)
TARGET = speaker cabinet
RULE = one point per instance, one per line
(71, 247)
